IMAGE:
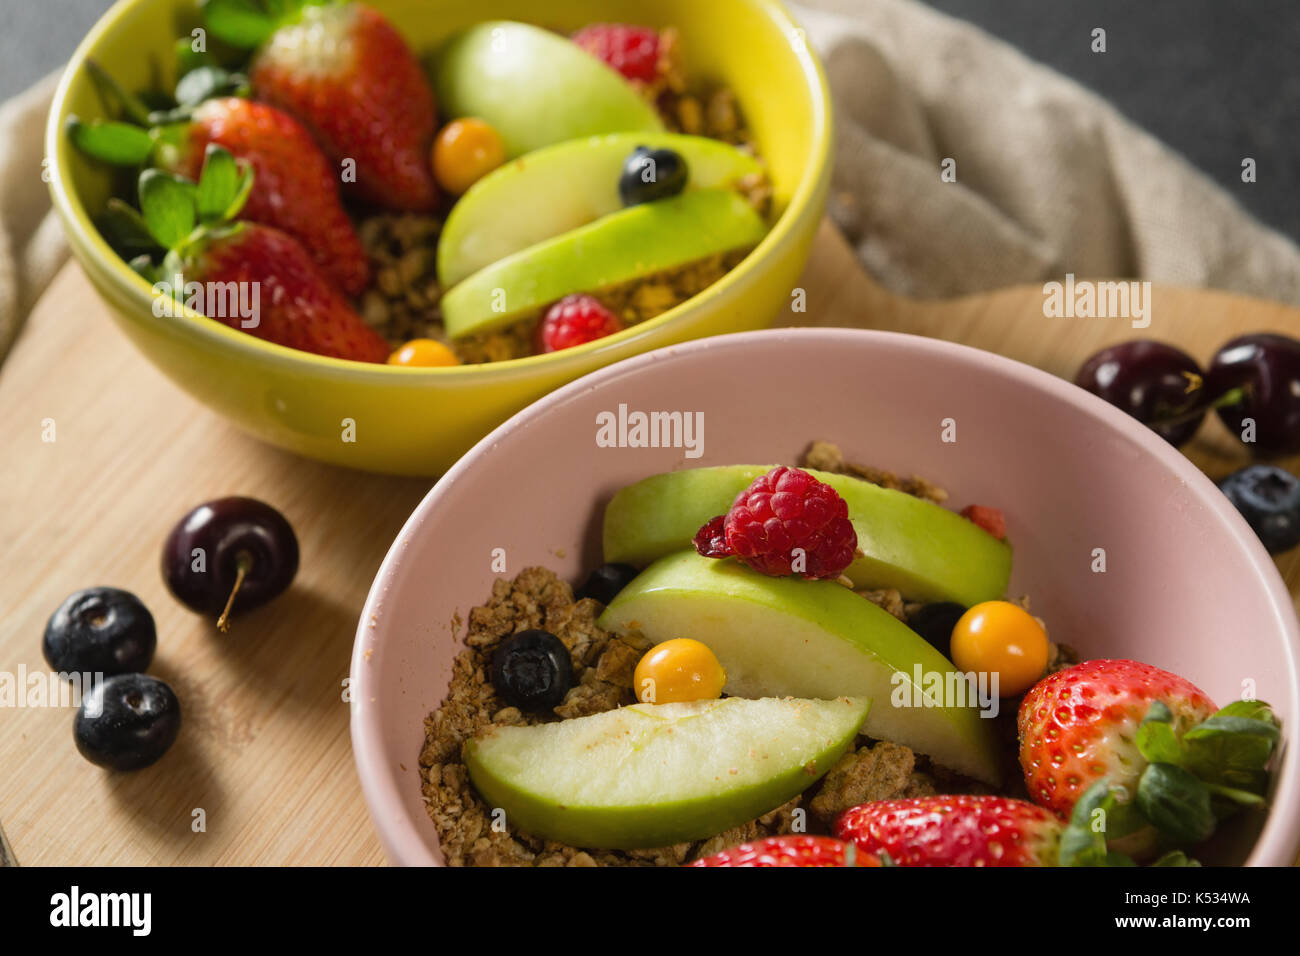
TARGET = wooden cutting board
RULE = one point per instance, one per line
(264, 762)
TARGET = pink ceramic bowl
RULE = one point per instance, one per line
(1187, 586)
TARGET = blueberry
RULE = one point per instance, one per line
(606, 581)
(100, 630)
(531, 670)
(650, 174)
(127, 722)
(1269, 499)
(935, 622)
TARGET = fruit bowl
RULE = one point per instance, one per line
(418, 421)
(1187, 586)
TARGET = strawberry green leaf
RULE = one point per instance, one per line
(242, 191)
(143, 266)
(1176, 802)
(240, 23)
(135, 108)
(205, 82)
(189, 59)
(119, 144)
(1175, 858)
(167, 203)
(124, 229)
(218, 183)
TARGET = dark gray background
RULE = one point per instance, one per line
(1217, 79)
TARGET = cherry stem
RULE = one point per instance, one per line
(243, 564)
(1232, 396)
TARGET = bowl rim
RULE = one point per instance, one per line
(85, 240)
(1278, 842)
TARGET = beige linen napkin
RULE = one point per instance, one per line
(31, 241)
(1049, 178)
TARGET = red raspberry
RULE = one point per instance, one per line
(711, 540)
(575, 320)
(633, 51)
(990, 519)
(784, 510)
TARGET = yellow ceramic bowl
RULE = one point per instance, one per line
(419, 421)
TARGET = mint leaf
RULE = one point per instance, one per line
(1158, 743)
(1243, 798)
(240, 23)
(119, 144)
(1176, 802)
(219, 183)
(1155, 736)
(1230, 749)
(1081, 844)
(1175, 858)
(1159, 712)
(1254, 709)
(167, 203)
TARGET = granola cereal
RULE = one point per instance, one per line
(603, 665)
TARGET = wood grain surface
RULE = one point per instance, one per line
(264, 754)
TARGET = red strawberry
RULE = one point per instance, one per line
(298, 306)
(295, 187)
(1079, 726)
(990, 519)
(791, 851)
(954, 831)
(350, 77)
(254, 278)
(632, 50)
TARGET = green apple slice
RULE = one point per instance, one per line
(549, 191)
(535, 87)
(924, 550)
(786, 636)
(653, 775)
(617, 248)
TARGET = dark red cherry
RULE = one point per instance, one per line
(1266, 369)
(1150, 380)
(229, 555)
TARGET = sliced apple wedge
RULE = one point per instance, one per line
(617, 248)
(653, 775)
(534, 86)
(786, 636)
(549, 191)
(925, 551)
